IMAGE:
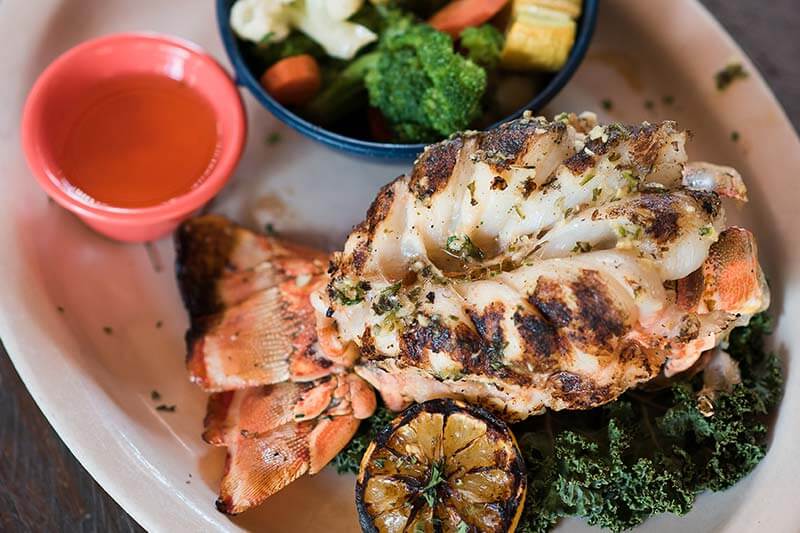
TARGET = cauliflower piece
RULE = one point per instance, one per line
(325, 21)
(342, 9)
(340, 39)
(254, 20)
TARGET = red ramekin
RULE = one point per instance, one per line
(49, 115)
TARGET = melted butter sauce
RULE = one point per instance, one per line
(139, 141)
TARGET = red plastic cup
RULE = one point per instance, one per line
(50, 103)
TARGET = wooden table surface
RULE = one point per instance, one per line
(43, 487)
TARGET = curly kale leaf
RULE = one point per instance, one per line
(760, 373)
(650, 453)
(349, 459)
(601, 476)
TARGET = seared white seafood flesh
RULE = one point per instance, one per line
(537, 265)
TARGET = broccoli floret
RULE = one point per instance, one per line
(483, 45)
(421, 85)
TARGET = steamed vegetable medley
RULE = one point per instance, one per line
(404, 70)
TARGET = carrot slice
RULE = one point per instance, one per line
(294, 80)
(458, 15)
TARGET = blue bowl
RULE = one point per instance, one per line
(390, 151)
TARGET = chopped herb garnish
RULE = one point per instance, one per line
(414, 293)
(429, 490)
(731, 73)
(582, 247)
(269, 229)
(461, 246)
(166, 408)
(456, 376)
(706, 230)
(347, 292)
(596, 192)
(589, 177)
(668, 99)
(155, 395)
(618, 128)
(624, 232)
(426, 272)
(649, 104)
(608, 105)
(496, 364)
(462, 527)
(493, 157)
(631, 181)
(495, 352)
(562, 117)
(274, 138)
(734, 136)
(387, 301)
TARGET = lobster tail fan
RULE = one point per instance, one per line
(251, 322)
(276, 433)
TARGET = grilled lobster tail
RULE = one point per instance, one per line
(538, 265)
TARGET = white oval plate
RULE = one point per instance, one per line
(94, 387)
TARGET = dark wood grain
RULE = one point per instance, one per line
(42, 486)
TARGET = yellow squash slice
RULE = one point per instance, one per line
(540, 35)
(442, 466)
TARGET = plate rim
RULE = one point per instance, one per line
(147, 515)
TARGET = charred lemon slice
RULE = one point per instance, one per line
(443, 466)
